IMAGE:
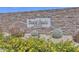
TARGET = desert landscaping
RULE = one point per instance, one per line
(40, 31)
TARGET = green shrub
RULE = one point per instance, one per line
(16, 44)
(1, 36)
(57, 33)
(35, 33)
(76, 37)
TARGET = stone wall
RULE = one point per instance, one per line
(67, 19)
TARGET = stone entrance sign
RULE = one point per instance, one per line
(43, 21)
(39, 22)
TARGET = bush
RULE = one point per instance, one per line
(16, 44)
(18, 29)
(76, 37)
(35, 33)
(57, 33)
(1, 36)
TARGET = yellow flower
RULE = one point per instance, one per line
(77, 49)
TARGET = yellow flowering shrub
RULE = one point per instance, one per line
(17, 44)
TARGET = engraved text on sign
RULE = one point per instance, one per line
(39, 22)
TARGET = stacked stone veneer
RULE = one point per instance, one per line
(67, 19)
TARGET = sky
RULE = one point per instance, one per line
(22, 9)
